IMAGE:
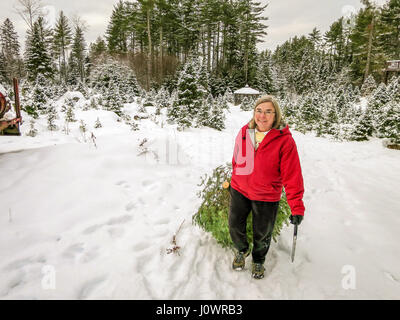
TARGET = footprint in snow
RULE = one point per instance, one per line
(116, 232)
(119, 220)
(149, 185)
(130, 206)
(123, 184)
(73, 250)
(90, 255)
(20, 263)
(113, 221)
(92, 229)
(15, 282)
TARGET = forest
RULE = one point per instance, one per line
(191, 56)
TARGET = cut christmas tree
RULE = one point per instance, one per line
(212, 216)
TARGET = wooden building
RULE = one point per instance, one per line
(391, 66)
(241, 93)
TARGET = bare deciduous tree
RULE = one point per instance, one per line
(29, 10)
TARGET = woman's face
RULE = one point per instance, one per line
(264, 115)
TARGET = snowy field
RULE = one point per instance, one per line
(86, 221)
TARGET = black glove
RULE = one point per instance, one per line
(296, 219)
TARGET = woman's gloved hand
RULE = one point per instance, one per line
(296, 219)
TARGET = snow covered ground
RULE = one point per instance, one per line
(84, 222)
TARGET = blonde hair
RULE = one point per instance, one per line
(278, 122)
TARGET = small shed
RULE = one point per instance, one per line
(391, 66)
(240, 94)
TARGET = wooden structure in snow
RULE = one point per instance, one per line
(240, 94)
(391, 66)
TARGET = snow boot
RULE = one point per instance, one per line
(239, 260)
(257, 270)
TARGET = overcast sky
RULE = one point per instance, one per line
(286, 18)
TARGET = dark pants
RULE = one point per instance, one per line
(264, 216)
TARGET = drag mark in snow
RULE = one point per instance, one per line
(89, 287)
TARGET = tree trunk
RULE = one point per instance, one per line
(217, 49)
(161, 53)
(371, 30)
(208, 47)
(149, 52)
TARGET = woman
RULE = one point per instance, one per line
(265, 159)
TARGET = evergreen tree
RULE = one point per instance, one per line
(203, 117)
(83, 129)
(10, 59)
(389, 33)
(39, 96)
(365, 47)
(97, 50)
(118, 29)
(70, 115)
(62, 40)
(189, 97)
(112, 72)
(51, 117)
(368, 86)
(37, 52)
(363, 128)
(161, 99)
(77, 68)
(393, 89)
(390, 126)
(247, 104)
(315, 37)
(112, 101)
(376, 103)
(32, 130)
(217, 117)
(263, 76)
(98, 124)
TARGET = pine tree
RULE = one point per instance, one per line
(368, 86)
(83, 129)
(161, 100)
(263, 76)
(376, 102)
(70, 115)
(32, 130)
(389, 35)
(364, 44)
(77, 68)
(37, 52)
(203, 117)
(390, 126)
(189, 97)
(62, 40)
(98, 124)
(39, 96)
(247, 104)
(118, 29)
(98, 50)
(10, 59)
(112, 101)
(217, 117)
(393, 89)
(363, 128)
(51, 117)
(309, 111)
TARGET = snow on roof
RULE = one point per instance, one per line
(247, 90)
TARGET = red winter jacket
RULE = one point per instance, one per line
(260, 175)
